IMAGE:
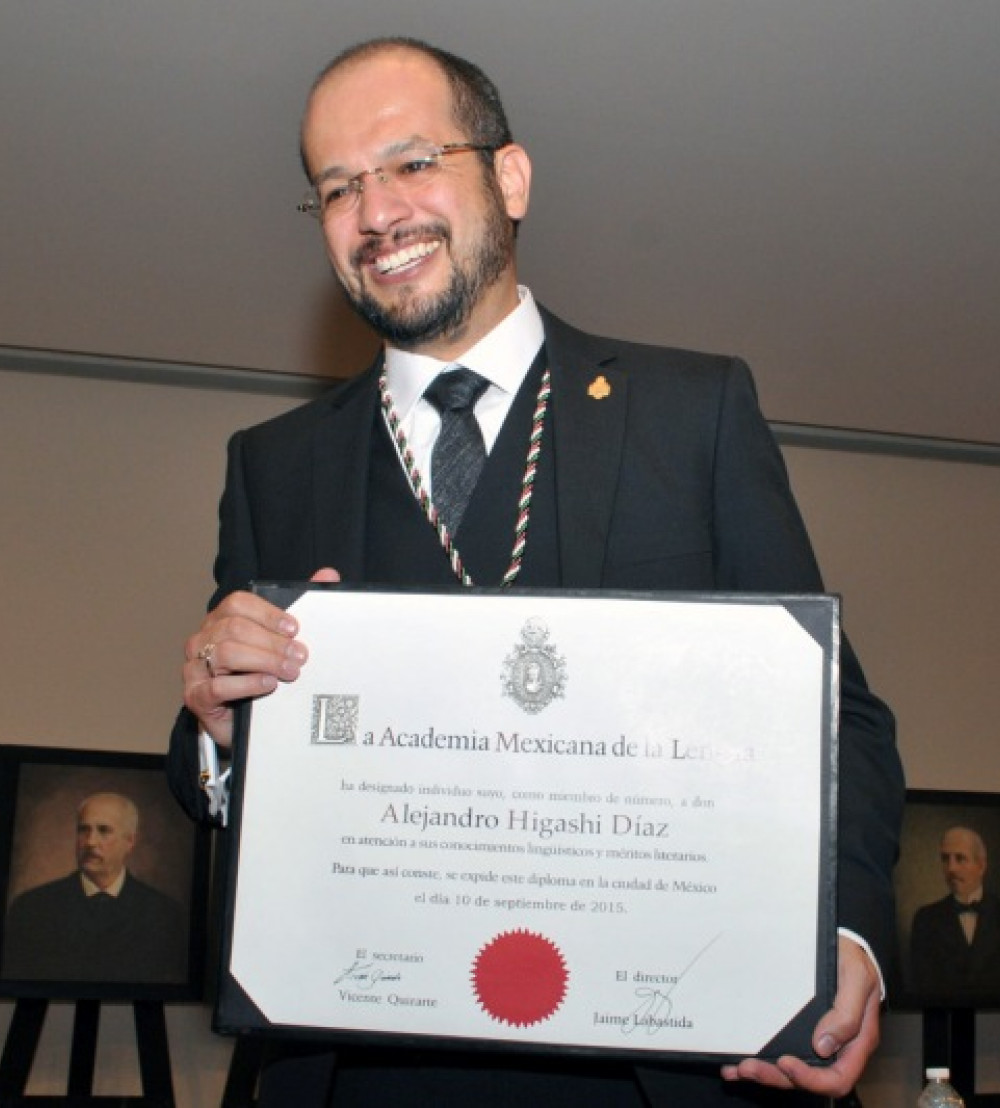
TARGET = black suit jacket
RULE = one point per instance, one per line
(945, 966)
(55, 932)
(673, 481)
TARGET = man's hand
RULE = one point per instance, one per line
(850, 1030)
(243, 648)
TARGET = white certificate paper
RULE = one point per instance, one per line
(588, 821)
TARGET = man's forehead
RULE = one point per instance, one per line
(101, 811)
(393, 94)
(959, 842)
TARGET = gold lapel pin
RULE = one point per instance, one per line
(599, 389)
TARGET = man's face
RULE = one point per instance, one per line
(431, 270)
(963, 863)
(104, 839)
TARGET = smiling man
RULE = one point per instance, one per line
(99, 923)
(423, 244)
(586, 463)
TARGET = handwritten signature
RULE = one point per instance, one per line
(656, 1006)
(366, 975)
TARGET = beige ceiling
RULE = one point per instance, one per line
(814, 184)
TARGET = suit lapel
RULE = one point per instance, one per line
(589, 407)
(341, 449)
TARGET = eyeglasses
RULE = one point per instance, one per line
(408, 172)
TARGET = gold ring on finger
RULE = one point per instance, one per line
(206, 655)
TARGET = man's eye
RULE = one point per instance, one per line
(335, 194)
(414, 166)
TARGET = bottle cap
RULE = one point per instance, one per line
(938, 1073)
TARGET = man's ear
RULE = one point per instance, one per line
(513, 169)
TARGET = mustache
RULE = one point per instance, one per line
(369, 250)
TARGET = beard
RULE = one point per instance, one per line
(417, 320)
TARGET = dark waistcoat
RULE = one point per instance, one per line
(401, 546)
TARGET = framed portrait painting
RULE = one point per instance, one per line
(104, 880)
(948, 902)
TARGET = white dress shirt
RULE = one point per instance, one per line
(503, 358)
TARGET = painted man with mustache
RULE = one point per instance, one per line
(99, 923)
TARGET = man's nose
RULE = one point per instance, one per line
(381, 204)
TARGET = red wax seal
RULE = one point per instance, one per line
(519, 978)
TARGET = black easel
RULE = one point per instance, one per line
(244, 1069)
(950, 1040)
(22, 1043)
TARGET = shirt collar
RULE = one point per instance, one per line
(91, 889)
(503, 357)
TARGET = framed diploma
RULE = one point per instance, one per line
(590, 822)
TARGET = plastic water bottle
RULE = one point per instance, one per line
(938, 1092)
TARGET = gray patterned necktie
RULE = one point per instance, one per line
(459, 452)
